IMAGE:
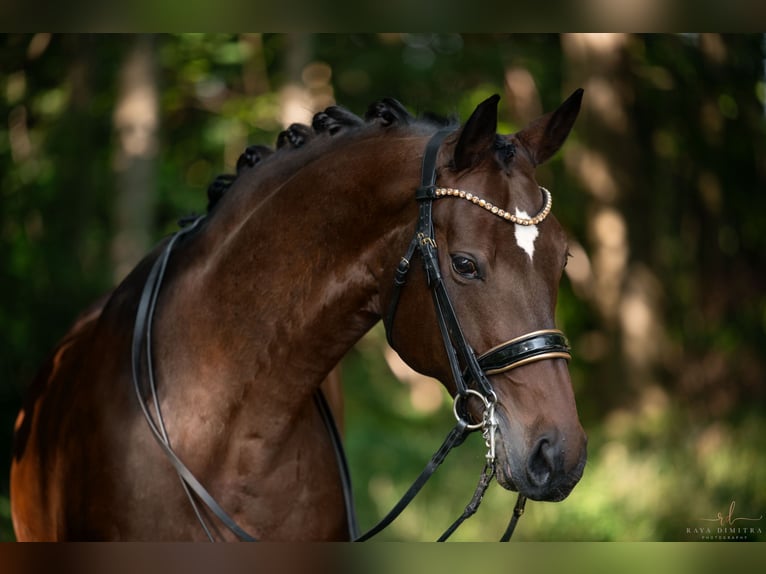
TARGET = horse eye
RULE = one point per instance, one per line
(465, 266)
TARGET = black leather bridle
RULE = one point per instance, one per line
(466, 367)
(469, 372)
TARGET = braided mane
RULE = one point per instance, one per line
(333, 121)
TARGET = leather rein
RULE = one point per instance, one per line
(468, 371)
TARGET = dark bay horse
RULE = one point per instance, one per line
(262, 299)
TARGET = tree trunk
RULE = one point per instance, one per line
(136, 121)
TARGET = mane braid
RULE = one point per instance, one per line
(334, 120)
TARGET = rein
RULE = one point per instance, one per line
(469, 371)
(142, 333)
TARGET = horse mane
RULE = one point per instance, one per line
(335, 120)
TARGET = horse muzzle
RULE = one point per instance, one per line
(544, 470)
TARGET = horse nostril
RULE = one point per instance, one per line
(541, 463)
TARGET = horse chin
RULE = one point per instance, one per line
(504, 477)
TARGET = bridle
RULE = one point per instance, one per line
(535, 346)
(469, 371)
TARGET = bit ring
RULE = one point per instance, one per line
(486, 402)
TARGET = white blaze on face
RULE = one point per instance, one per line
(526, 234)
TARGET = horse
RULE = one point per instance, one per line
(204, 362)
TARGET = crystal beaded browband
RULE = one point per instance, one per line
(449, 192)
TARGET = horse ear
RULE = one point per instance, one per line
(477, 135)
(545, 135)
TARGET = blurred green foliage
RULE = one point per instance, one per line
(660, 187)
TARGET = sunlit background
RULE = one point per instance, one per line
(105, 141)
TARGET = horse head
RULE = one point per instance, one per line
(501, 254)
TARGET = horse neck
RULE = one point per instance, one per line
(286, 281)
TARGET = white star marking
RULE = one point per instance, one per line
(526, 234)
